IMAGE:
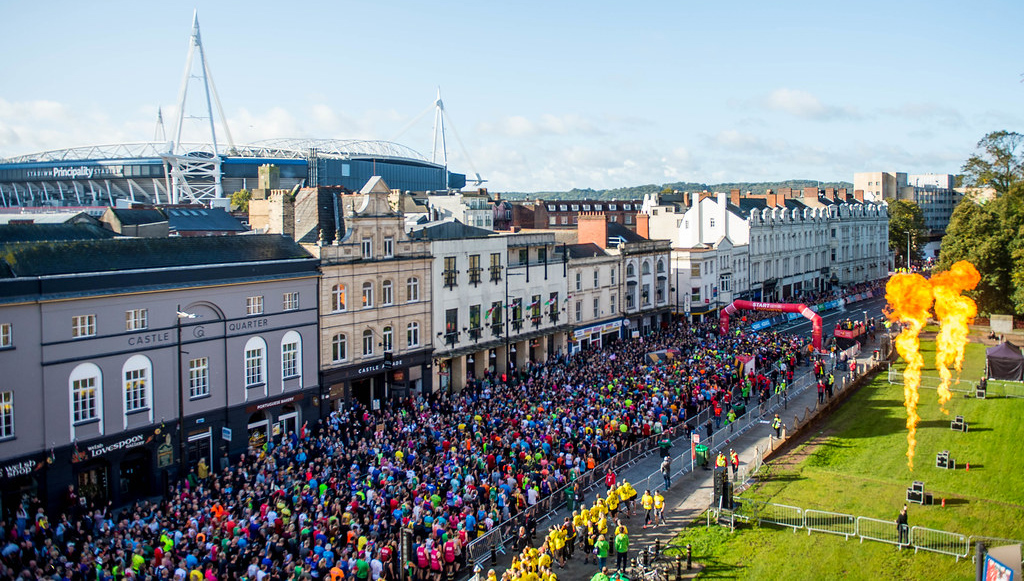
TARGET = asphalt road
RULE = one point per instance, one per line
(871, 307)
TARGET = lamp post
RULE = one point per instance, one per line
(908, 250)
(508, 315)
(181, 394)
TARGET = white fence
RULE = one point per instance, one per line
(846, 525)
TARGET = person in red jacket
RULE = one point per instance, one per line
(609, 479)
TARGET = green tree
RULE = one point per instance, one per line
(240, 200)
(997, 163)
(905, 217)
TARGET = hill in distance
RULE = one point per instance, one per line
(638, 192)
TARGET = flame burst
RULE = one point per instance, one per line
(954, 312)
(909, 297)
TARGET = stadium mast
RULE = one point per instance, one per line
(196, 175)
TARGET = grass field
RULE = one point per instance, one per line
(856, 464)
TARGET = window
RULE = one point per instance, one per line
(542, 254)
(613, 304)
(586, 207)
(628, 219)
(412, 334)
(579, 311)
(597, 307)
(367, 295)
(711, 222)
(630, 271)
(83, 326)
(290, 359)
(597, 278)
(254, 305)
(255, 362)
(575, 207)
(563, 208)
(338, 298)
(552, 220)
(494, 314)
(386, 293)
(389, 247)
(451, 276)
(6, 335)
(597, 207)
(551, 207)
(565, 220)
(695, 294)
(579, 281)
(627, 207)
(695, 269)
(613, 274)
(833, 232)
(83, 399)
(136, 319)
(474, 269)
(833, 255)
(367, 248)
(611, 207)
(524, 256)
(339, 348)
(136, 383)
(290, 301)
(412, 289)
(535, 306)
(495, 266)
(6, 414)
(613, 218)
(388, 339)
(367, 343)
(198, 377)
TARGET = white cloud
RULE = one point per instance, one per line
(545, 125)
(806, 106)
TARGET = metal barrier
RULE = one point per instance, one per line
(480, 548)
(780, 514)
(873, 529)
(953, 544)
(835, 523)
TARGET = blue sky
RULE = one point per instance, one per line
(542, 95)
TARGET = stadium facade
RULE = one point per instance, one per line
(139, 172)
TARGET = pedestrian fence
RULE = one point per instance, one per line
(993, 387)
(847, 525)
(835, 523)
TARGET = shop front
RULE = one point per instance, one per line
(20, 482)
(369, 383)
(596, 336)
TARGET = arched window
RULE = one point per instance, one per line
(367, 343)
(412, 334)
(661, 266)
(339, 348)
(387, 339)
(85, 386)
(630, 270)
(136, 373)
(412, 289)
(367, 295)
(291, 356)
(646, 268)
(255, 362)
(338, 297)
(386, 293)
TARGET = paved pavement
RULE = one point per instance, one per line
(691, 492)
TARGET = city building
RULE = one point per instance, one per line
(471, 208)
(935, 194)
(375, 294)
(498, 300)
(127, 361)
(593, 297)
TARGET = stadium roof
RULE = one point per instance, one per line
(286, 148)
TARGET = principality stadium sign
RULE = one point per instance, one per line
(73, 172)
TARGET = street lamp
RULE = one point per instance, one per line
(181, 394)
(508, 314)
(908, 250)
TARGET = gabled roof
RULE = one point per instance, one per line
(137, 217)
(52, 232)
(202, 220)
(447, 229)
(616, 230)
(25, 259)
(588, 250)
(48, 218)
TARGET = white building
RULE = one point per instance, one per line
(471, 208)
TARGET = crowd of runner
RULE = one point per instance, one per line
(329, 503)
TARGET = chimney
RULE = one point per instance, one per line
(784, 193)
(734, 197)
(686, 199)
(858, 195)
(769, 198)
(643, 225)
(592, 227)
(811, 193)
(830, 193)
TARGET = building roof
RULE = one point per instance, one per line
(202, 220)
(617, 230)
(588, 250)
(138, 216)
(47, 218)
(61, 232)
(30, 259)
(447, 229)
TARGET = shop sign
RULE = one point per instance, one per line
(165, 453)
(225, 433)
(21, 468)
(249, 325)
(98, 450)
(273, 403)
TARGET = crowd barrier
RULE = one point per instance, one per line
(994, 387)
(847, 525)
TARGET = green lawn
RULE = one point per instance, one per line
(859, 467)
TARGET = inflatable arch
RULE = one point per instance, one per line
(814, 318)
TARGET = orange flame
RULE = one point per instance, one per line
(955, 312)
(909, 297)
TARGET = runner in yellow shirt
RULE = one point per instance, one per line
(659, 508)
(647, 503)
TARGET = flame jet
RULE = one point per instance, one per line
(909, 297)
(955, 312)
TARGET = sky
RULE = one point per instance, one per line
(540, 96)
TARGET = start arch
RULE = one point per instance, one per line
(807, 312)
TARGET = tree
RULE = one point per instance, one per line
(997, 163)
(240, 200)
(905, 216)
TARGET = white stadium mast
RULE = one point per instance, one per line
(195, 176)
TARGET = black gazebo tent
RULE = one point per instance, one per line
(1005, 361)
